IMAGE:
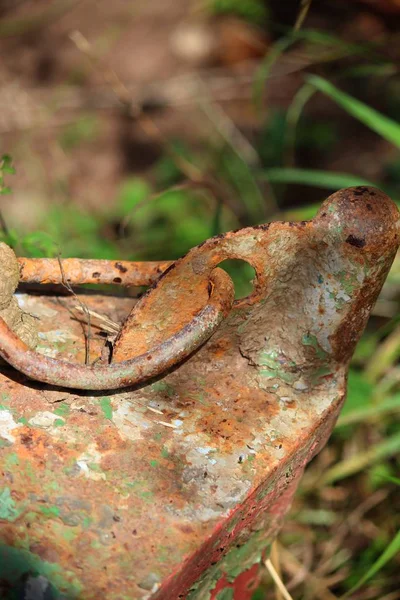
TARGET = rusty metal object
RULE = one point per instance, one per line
(78, 271)
(103, 497)
(139, 369)
(157, 318)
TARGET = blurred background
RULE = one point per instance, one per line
(138, 129)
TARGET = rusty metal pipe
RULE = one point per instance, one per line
(130, 372)
(78, 271)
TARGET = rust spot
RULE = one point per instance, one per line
(355, 241)
(120, 267)
(27, 440)
(361, 190)
(263, 227)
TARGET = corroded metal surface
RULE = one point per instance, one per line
(80, 271)
(105, 497)
(138, 369)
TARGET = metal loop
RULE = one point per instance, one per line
(130, 372)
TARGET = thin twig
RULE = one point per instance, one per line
(106, 324)
(277, 580)
(318, 585)
(304, 8)
(85, 309)
(276, 564)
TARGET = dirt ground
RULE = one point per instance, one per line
(74, 65)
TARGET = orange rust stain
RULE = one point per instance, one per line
(220, 347)
(36, 445)
(234, 426)
(109, 440)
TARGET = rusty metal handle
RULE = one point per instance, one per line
(131, 372)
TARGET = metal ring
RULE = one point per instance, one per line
(130, 372)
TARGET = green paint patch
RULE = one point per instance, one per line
(94, 467)
(11, 460)
(348, 281)
(53, 485)
(105, 404)
(226, 594)
(59, 423)
(86, 522)
(23, 420)
(154, 463)
(163, 387)
(15, 564)
(323, 371)
(311, 340)
(8, 508)
(50, 511)
(61, 531)
(164, 452)
(146, 495)
(284, 376)
(5, 399)
(276, 366)
(233, 564)
(164, 554)
(62, 409)
(199, 398)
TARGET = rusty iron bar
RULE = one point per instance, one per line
(127, 373)
(79, 271)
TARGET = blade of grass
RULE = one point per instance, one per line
(369, 412)
(313, 177)
(264, 69)
(244, 182)
(385, 356)
(382, 125)
(292, 118)
(395, 480)
(337, 49)
(390, 552)
(358, 462)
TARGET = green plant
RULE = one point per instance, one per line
(254, 11)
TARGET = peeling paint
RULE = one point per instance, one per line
(7, 426)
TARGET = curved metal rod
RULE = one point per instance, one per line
(130, 372)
